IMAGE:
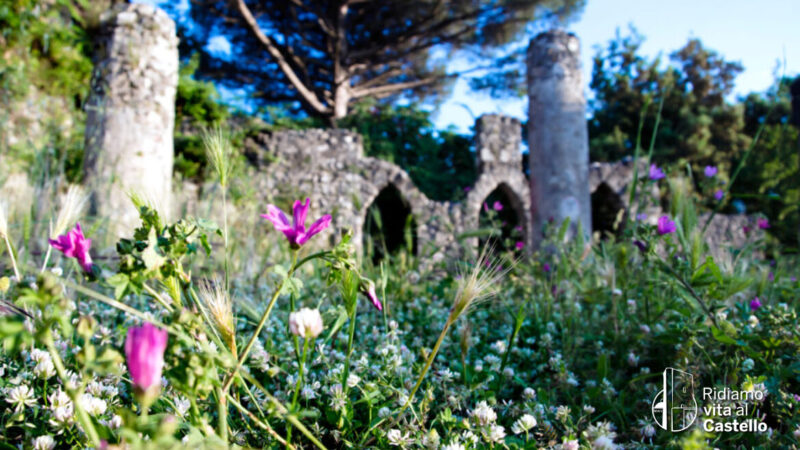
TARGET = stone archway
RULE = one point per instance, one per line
(511, 189)
(389, 225)
(502, 213)
(607, 206)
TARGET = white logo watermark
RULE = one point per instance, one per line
(675, 408)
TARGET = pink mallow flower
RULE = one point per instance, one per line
(296, 232)
(368, 289)
(144, 353)
(763, 224)
(665, 226)
(755, 304)
(710, 171)
(497, 206)
(655, 172)
(75, 245)
(519, 245)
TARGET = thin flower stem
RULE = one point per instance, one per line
(260, 325)
(13, 260)
(83, 417)
(46, 258)
(156, 295)
(225, 233)
(297, 386)
(113, 303)
(259, 422)
(518, 320)
(350, 339)
(427, 366)
(222, 413)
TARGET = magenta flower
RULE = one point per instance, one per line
(467, 188)
(755, 304)
(546, 267)
(710, 171)
(144, 352)
(75, 245)
(719, 194)
(296, 232)
(746, 229)
(655, 172)
(665, 226)
(763, 224)
(497, 206)
(519, 245)
(368, 289)
(486, 207)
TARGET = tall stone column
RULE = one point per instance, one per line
(131, 113)
(557, 135)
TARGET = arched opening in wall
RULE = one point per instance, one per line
(607, 211)
(389, 227)
(500, 219)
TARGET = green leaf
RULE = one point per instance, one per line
(152, 260)
(120, 283)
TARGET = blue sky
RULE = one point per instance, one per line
(757, 34)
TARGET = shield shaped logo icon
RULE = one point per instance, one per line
(675, 408)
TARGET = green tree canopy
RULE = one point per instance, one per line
(326, 56)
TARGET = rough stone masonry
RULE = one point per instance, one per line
(131, 113)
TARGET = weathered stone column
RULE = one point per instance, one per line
(557, 133)
(498, 140)
(131, 113)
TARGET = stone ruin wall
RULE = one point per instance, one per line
(329, 167)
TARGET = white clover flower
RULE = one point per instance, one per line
(115, 422)
(631, 305)
(38, 355)
(59, 399)
(397, 438)
(353, 380)
(748, 364)
(523, 424)
(308, 393)
(492, 360)
(20, 396)
(563, 413)
(446, 374)
(496, 433)
(529, 393)
(431, 439)
(588, 409)
(753, 321)
(338, 400)
(469, 437)
(306, 323)
(508, 372)
(483, 414)
(93, 405)
(95, 388)
(644, 328)
(45, 369)
(570, 445)
(648, 431)
(62, 416)
(608, 388)
(45, 442)
(633, 359)
(604, 443)
(453, 446)
(384, 412)
(182, 405)
(499, 346)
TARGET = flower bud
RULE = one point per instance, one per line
(144, 352)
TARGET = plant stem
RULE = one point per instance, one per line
(350, 339)
(83, 417)
(46, 258)
(259, 422)
(222, 413)
(13, 260)
(297, 386)
(518, 320)
(260, 326)
(225, 233)
(427, 366)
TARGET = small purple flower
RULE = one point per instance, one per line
(296, 232)
(497, 206)
(467, 188)
(719, 194)
(546, 268)
(763, 224)
(518, 228)
(519, 245)
(771, 276)
(755, 304)
(641, 217)
(665, 226)
(796, 398)
(746, 229)
(640, 245)
(655, 172)
(75, 245)
(144, 353)
(710, 171)
(793, 279)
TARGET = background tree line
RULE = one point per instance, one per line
(48, 55)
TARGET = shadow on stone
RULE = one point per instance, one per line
(389, 227)
(606, 207)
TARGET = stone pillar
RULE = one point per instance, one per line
(131, 113)
(497, 142)
(557, 134)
